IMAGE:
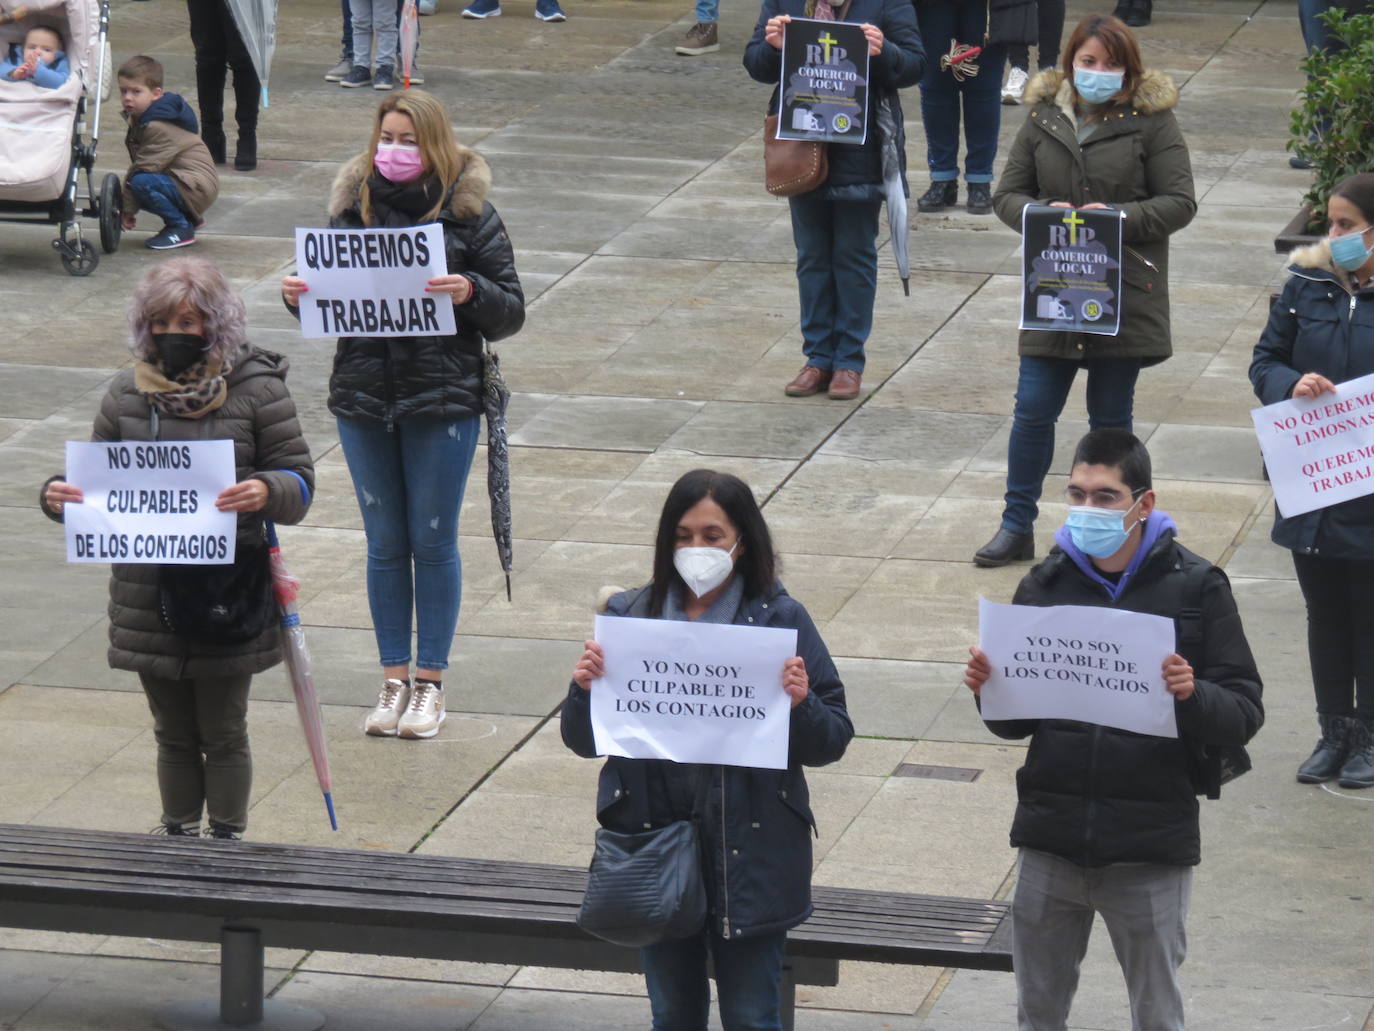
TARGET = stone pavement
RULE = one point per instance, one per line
(662, 326)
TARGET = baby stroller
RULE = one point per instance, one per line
(43, 132)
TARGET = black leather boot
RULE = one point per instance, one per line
(1331, 752)
(214, 142)
(979, 199)
(246, 153)
(1006, 546)
(1139, 14)
(940, 196)
(1358, 771)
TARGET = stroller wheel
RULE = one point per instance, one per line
(79, 259)
(111, 213)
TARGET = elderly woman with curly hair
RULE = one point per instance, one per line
(196, 377)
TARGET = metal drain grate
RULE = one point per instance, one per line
(961, 773)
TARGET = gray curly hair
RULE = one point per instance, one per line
(200, 283)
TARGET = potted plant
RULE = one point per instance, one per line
(1333, 127)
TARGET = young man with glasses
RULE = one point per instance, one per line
(1107, 820)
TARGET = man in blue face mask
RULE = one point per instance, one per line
(1107, 820)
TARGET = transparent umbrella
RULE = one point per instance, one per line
(286, 588)
(257, 24)
(894, 188)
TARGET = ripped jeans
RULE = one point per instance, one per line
(409, 481)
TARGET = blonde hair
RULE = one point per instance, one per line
(438, 149)
(197, 281)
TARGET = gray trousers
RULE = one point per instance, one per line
(1144, 906)
(201, 727)
(369, 16)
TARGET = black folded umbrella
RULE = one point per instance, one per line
(495, 398)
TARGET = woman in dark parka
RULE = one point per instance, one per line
(1321, 333)
(835, 226)
(756, 824)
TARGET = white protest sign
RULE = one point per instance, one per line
(1077, 662)
(371, 282)
(1319, 451)
(150, 502)
(692, 692)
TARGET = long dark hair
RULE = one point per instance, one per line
(1358, 189)
(757, 565)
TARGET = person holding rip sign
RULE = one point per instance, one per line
(714, 561)
(409, 408)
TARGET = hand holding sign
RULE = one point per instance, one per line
(1313, 384)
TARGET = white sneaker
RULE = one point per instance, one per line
(425, 714)
(1016, 85)
(391, 703)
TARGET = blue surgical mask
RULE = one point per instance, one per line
(1097, 87)
(1099, 532)
(1349, 251)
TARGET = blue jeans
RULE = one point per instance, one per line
(837, 277)
(160, 194)
(941, 96)
(1315, 35)
(1041, 391)
(708, 10)
(409, 481)
(748, 982)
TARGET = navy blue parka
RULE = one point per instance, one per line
(756, 824)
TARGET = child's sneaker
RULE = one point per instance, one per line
(425, 714)
(177, 830)
(548, 10)
(170, 238)
(483, 9)
(357, 76)
(337, 73)
(385, 78)
(223, 832)
(391, 703)
(426, 7)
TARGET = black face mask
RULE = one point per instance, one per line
(177, 352)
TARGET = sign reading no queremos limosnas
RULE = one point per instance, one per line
(150, 502)
(824, 90)
(692, 692)
(371, 282)
(1077, 662)
(1071, 269)
(1319, 451)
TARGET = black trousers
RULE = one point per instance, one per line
(219, 47)
(1340, 632)
(1051, 15)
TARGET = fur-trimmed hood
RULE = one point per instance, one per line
(1314, 256)
(469, 192)
(1154, 93)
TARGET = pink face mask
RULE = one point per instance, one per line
(399, 162)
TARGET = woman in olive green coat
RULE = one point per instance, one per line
(1100, 133)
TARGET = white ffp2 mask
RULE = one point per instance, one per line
(704, 569)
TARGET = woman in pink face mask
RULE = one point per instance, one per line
(409, 408)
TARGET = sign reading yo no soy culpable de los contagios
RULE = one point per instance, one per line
(371, 282)
(824, 82)
(1071, 269)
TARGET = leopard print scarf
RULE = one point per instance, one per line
(191, 394)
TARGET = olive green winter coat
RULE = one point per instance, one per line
(1133, 159)
(259, 416)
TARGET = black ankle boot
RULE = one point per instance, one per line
(246, 153)
(1006, 546)
(979, 199)
(940, 196)
(1328, 758)
(1139, 14)
(213, 136)
(1358, 771)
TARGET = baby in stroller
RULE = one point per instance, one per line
(41, 59)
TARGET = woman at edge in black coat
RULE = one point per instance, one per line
(1321, 333)
(756, 824)
(409, 408)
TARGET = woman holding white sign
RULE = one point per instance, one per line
(196, 377)
(1320, 333)
(1100, 133)
(409, 408)
(714, 562)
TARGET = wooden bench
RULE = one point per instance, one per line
(250, 895)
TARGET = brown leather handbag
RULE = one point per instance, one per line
(791, 167)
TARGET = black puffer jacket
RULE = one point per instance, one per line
(856, 172)
(380, 379)
(1097, 795)
(1318, 324)
(756, 824)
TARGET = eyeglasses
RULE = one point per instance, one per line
(1104, 498)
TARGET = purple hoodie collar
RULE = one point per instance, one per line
(1158, 524)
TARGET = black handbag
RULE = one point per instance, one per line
(1013, 22)
(646, 887)
(227, 604)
